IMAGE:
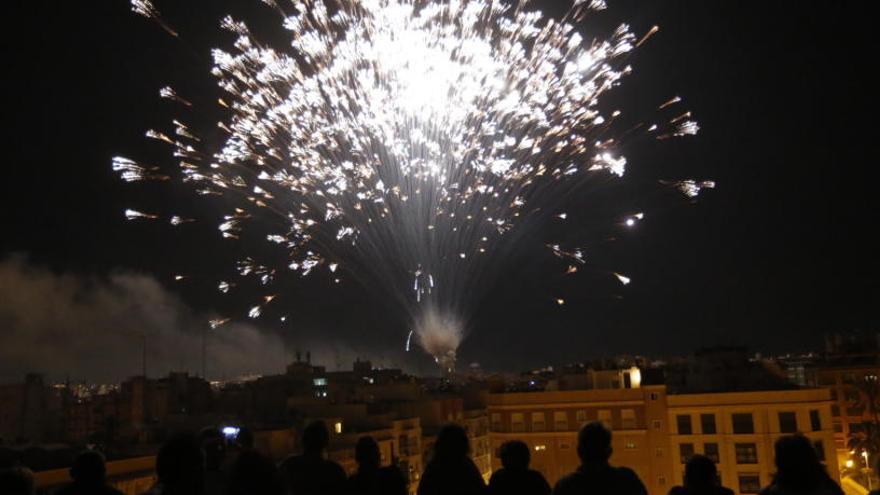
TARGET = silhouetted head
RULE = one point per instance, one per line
(214, 444)
(797, 465)
(180, 465)
(366, 452)
(515, 455)
(700, 472)
(452, 443)
(88, 469)
(254, 474)
(594, 443)
(16, 481)
(315, 437)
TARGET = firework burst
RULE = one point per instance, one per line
(401, 142)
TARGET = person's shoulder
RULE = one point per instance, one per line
(723, 490)
(334, 467)
(678, 490)
(625, 471)
(569, 483)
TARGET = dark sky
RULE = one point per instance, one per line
(783, 251)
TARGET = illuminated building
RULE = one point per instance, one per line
(656, 432)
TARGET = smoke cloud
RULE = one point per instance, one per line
(93, 328)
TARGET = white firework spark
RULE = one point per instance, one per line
(401, 140)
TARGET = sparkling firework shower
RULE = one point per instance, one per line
(405, 142)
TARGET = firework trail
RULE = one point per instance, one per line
(404, 142)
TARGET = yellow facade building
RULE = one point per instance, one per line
(738, 430)
(655, 432)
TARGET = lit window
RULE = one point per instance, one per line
(539, 448)
(749, 483)
(746, 453)
(628, 419)
(630, 445)
(711, 451)
(538, 422)
(604, 417)
(320, 382)
(560, 420)
(686, 451)
(337, 427)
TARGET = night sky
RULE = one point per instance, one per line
(782, 252)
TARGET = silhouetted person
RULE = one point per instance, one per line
(451, 471)
(798, 470)
(16, 481)
(310, 473)
(214, 445)
(89, 475)
(595, 475)
(370, 478)
(180, 467)
(254, 474)
(515, 477)
(700, 478)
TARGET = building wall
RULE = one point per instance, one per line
(764, 409)
(548, 422)
(646, 434)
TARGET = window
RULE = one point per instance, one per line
(540, 448)
(835, 410)
(630, 444)
(749, 483)
(787, 422)
(661, 480)
(838, 426)
(834, 394)
(815, 420)
(820, 450)
(605, 417)
(658, 452)
(856, 428)
(707, 423)
(337, 427)
(710, 450)
(496, 421)
(656, 424)
(685, 451)
(319, 382)
(849, 378)
(655, 396)
(628, 419)
(564, 445)
(580, 417)
(538, 423)
(517, 422)
(560, 420)
(684, 424)
(746, 453)
(742, 423)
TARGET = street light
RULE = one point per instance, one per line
(867, 469)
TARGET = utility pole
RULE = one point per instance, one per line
(144, 355)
